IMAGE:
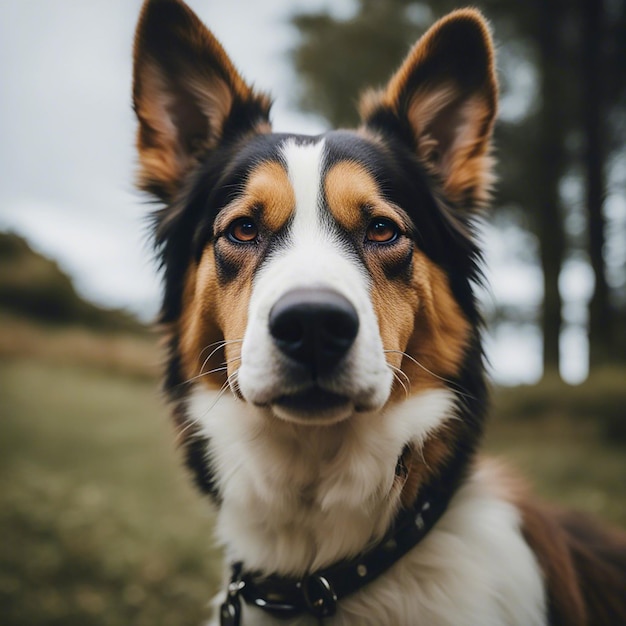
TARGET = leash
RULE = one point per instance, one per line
(319, 592)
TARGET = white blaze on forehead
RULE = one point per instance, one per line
(304, 168)
(314, 255)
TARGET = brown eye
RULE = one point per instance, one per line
(381, 230)
(243, 230)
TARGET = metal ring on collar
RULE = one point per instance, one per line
(319, 595)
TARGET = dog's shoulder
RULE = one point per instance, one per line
(583, 562)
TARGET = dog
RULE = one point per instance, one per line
(325, 366)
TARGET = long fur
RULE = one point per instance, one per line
(308, 461)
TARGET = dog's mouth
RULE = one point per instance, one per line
(314, 406)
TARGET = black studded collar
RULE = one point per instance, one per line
(319, 592)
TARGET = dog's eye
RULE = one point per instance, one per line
(382, 230)
(243, 230)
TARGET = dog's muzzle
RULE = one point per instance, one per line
(313, 330)
(314, 327)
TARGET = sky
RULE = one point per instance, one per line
(67, 157)
(67, 150)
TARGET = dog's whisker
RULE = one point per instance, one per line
(208, 347)
(233, 382)
(219, 345)
(207, 359)
(223, 389)
(221, 342)
(457, 388)
(396, 371)
(406, 391)
(223, 368)
(400, 372)
(180, 434)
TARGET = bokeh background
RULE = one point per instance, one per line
(98, 523)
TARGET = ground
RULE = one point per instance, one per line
(99, 523)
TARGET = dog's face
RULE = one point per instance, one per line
(320, 277)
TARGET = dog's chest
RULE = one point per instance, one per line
(293, 505)
(281, 500)
(473, 569)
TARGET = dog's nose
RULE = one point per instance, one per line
(314, 327)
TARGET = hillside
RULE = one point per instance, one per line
(34, 287)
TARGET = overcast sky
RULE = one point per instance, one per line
(67, 151)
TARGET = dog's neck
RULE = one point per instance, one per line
(319, 592)
(295, 499)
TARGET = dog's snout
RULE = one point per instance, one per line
(314, 327)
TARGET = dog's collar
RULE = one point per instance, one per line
(319, 592)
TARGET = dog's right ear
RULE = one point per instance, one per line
(187, 95)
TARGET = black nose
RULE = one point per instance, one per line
(315, 327)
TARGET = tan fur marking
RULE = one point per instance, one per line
(396, 306)
(198, 327)
(427, 324)
(428, 101)
(269, 187)
(424, 321)
(467, 165)
(353, 196)
(233, 316)
(441, 330)
(547, 540)
(268, 195)
(349, 187)
(207, 319)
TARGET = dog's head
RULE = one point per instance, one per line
(320, 277)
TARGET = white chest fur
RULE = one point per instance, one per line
(283, 493)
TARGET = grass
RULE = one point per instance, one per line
(600, 399)
(565, 461)
(99, 523)
(569, 440)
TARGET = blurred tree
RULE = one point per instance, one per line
(549, 169)
(603, 97)
(338, 58)
(594, 157)
(616, 88)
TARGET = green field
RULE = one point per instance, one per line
(99, 523)
(98, 520)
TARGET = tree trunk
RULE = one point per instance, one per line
(600, 315)
(550, 165)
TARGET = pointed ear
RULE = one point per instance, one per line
(187, 95)
(443, 101)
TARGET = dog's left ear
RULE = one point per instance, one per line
(442, 102)
(187, 95)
